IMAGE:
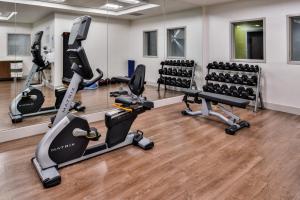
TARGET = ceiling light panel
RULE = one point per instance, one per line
(130, 1)
(111, 6)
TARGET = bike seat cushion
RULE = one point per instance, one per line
(126, 100)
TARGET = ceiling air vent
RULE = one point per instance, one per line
(136, 14)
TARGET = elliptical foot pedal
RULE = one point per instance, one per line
(79, 107)
(244, 124)
(231, 130)
(92, 134)
(141, 141)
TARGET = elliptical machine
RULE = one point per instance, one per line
(66, 143)
(29, 102)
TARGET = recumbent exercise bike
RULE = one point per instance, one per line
(66, 142)
(29, 102)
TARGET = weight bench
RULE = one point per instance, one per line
(207, 99)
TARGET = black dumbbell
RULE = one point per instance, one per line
(169, 72)
(205, 88)
(210, 66)
(184, 83)
(228, 78)
(221, 77)
(234, 91)
(246, 68)
(167, 62)
(165, 71)
(184, 73)
(234, 67)
(208, 77)
(221, 66)
(192, 63)
(252, 81)
(236, 79)
(179, 72)
(182, 63)
(227, 66)
(178, 82)
(214, 76)
(241, 89)
(208, 88)
(187, 63)
(188, 84)
(243, 93)
(173, 82)
(245, 79)
(250, 91)
(190, 73)
(160, 71)
(174, 72)
(216, 65)
(217, 89)
(252, 68)
(256, 68)
(225, 90)
(168, 80)
(240, 67)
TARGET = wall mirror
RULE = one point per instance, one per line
(122, 35)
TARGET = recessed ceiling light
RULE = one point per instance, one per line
(257, 25)
(130, 1)
(111, 6)
(7, 16)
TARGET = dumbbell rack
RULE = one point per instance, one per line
(164, 76)
(257, 88)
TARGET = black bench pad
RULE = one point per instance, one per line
(192, 93)
(218, 98)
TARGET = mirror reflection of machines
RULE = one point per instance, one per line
(30, 101)
(67, 141)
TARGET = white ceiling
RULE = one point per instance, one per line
(32, 11)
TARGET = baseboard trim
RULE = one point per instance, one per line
(282, 108)
(23, 132)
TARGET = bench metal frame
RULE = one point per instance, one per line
(233, 121)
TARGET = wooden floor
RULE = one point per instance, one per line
(192, 159)
(94, 100)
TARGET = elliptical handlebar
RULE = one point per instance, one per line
(91, 82)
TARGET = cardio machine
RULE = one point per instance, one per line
(29, 102)
(66, 143)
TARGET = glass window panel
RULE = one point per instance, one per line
(150, 43)
(18, 44)
(176, 42)
(248, 40)
(295, 38)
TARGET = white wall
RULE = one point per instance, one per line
(5, 29)
(106, 46)
(191, 19)
(281, 81)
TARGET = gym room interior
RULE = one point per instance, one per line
(150, 99)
